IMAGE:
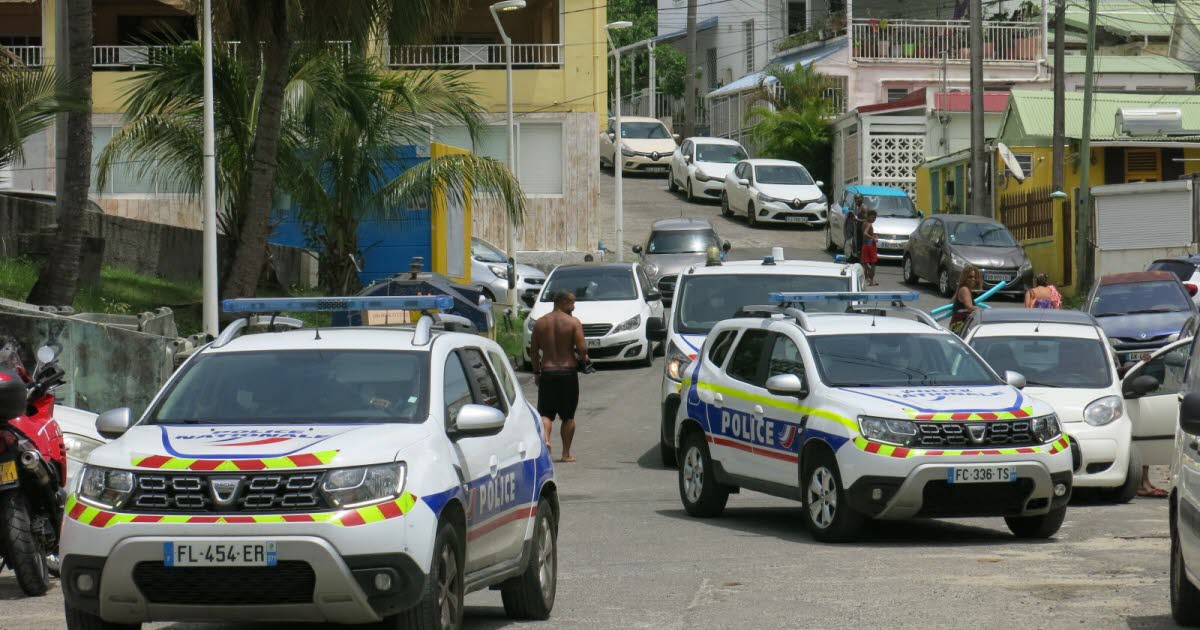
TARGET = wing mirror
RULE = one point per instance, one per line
(47, 354)
(656, 330)
(653, 295)
(787, 385)
(612, 135)
(1015, 379)
(676, 137)
(1140, 386)
(1189, 414)
(113, 423)
(637, 249)
(529, 298)
(743, 182)
(819, 183)
(477, 420)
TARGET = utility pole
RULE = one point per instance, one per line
(978, 193)
(653, 81)
(1083, 212)
(209, 274)
(689, 77)
(1060, 88)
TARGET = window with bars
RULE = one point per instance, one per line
(710, 65)
(1025, 161)
(895, 94)
(748, 25)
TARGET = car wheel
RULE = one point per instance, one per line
(80, 620)
(671, 185)
(666, 432)
(701, 494)
(1185, 597)
(441, 605)
(826, 509)
(750, 218)
(907, 271)
(725, 211)
(944, 283)
(647, 360)
(687, 191)
(531, 594)
(1043, 526)
(1125, 492)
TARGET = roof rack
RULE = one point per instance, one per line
(428, 305)
(759, 310)
(271, 321)
(922, 316)
(854, 300)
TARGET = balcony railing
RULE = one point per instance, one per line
(30, 56)
(474, 56)
(128, 56)
(926, 40)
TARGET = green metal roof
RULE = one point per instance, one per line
(1127, 64)
(1069, 37)
(1126, 18)
(1030, 115)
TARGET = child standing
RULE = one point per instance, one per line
(870, 248)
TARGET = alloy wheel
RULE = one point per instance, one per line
(822, 497)
(693, 474)
(448, 602)
(546, 567)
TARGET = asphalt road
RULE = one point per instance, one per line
(631, 558)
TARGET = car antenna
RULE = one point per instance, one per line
(1041, 319)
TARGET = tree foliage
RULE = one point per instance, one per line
(29, 101)
(671, 63)
(793, 118)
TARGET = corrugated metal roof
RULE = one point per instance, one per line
(1127, 64)
(1036, 112)
(1126, 18)
(804, 57)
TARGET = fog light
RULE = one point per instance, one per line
(85, 582)
(383, 582)
(762, 213)
(1060, 489)
(877, 495)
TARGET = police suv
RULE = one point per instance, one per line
(705, 295)
(345, 475)
(860, 415)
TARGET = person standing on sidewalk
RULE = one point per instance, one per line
(557, 351)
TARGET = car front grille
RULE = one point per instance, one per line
(940, 498)
(255, 492)
(1148, 340)
(289, 582)
(959, 434)
(535, 281)
(596, 330)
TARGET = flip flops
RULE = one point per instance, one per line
(1157, 493)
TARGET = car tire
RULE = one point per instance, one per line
(1037, 527)
(687, 191)
(441, 605)
(907, 272)
(530, 596)
(647, 360)
(944, 287)
(666, 432)
(725, 210)
(1185, 597)
(1125, 492)
(671, 185)
(702, 496)
(827, 510)
(21, 548)
(80, 620)
(751, 220)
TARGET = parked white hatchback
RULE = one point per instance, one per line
(699, 166)
(1115, 425)
(646, 145)
(618, 306)
(774, 191)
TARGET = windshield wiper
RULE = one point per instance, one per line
(1142, 311)
(1037, 384)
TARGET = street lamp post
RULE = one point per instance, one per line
(618, 157)
(496, 9)
(209, 248)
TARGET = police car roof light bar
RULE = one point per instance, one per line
(845, 296)
(234, 329)
(333, 304)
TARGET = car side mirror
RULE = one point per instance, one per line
(1189, 414)
(656, 330)
(113, 423)
(787, 385)
(529, 298)
(676, 137)
(687, 159)
(47, 354)
(1140, 386)
(726, 246)
(637, 249)
(819, 183)
(477, 421)
(612, 135)
(1015, 379)
(653, 295)
(921, 214)
(743, 182)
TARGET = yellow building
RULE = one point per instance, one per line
(559, 96)
(1024, 204)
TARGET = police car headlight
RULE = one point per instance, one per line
(79, 447)
(1046, 428)
(887, 430)
(355, 487)
(104, 487)
(630, 324)
(677, 363)
(1102, 411)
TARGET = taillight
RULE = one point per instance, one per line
(1191, 288)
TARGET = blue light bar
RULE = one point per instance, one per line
(333, 304)
(845, 296)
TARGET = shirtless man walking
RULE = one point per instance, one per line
(557, 349)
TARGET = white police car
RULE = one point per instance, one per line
(708, 294)
(345, 475)
(865, 416)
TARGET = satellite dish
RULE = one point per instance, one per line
(1010, 161)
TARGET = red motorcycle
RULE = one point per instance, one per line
(33, 468)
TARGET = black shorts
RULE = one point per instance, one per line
(558, 395)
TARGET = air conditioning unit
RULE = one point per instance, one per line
(1150, 122)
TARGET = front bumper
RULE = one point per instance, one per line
(499, 288)
(629, 345)
(312, 582)
(711, 188)
(1100, 454)
(646, 164)
(891, 248)
(812, 214)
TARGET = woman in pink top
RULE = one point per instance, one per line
(1043, 294)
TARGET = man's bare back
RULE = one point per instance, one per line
(557, 349)
(558, 343)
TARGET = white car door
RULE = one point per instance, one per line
(736, 429)
(1154, 414)
(606, 144)
(778, 457)
(739, 195)
(679, 165)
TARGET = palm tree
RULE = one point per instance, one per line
(793, 121)
(270, 31)
(59, 279)
(29, 101)
(343, 178)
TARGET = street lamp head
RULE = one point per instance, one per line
(509, 5)
(619, 25)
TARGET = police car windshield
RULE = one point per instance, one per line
(898, 360)
(298, 387)
(681, 242)
(592, 284)
(705, 300)
(1049, 361)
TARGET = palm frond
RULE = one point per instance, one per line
(29, 101)
(458, 176)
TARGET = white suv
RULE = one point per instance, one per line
(865, 416)
(341, 475)
(708, 294)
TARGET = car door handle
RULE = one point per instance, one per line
(758, 411)
(494, 465)
(717, 398)
(522, 449)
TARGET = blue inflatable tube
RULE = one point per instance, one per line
(983, 297)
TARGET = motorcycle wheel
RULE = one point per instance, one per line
(24, 554)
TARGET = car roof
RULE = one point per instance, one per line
(878, 191)
(640, 119)
(711, 140)
(682, 223)
(1042, 329)
(1136, 276)
(966, 218)
(1193, 259)
(1035, 315)
(347, 338)
(597, 266)
(771, 162)
(781, 267)
(825, 324)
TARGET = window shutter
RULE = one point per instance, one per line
(541, 158)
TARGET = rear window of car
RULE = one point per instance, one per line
(1181, 268)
